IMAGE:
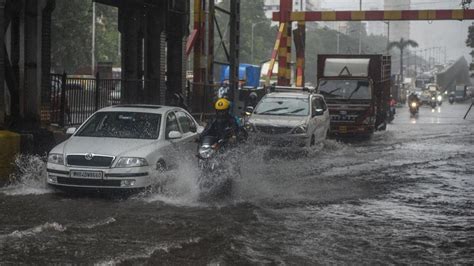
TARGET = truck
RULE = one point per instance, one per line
(357, 92)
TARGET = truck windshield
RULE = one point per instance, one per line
(345, 89)
(130, 125)
(283, 106)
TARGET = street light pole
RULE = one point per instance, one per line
(251, 40)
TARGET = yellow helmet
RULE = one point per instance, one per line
(222, 104)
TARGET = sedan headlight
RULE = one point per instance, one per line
(300, 129)
(56, 158)
(131, 162)
(205, 152)
(439, 98)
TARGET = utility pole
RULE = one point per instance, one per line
(445, 56)
(416, 72)
(360, 30)
(252, 39)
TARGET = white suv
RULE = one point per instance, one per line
(122, 147)
(290, 119)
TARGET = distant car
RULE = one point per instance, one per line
(297, 119)
(115, 96)
(425, 97)
(122, 147)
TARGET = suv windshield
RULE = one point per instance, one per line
(283, 106)
(131, 125)
(345, 89)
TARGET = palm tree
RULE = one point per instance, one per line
(402, 45)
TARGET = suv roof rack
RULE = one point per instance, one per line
(274, 88)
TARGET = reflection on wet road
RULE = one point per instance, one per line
(405, 196)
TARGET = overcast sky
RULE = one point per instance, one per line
(449, 34)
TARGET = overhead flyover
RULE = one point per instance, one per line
(455, 74)
(286, 16)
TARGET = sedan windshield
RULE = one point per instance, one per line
(345, 89)
(283, 106)
(130, 125)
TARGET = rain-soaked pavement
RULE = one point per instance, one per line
(405, 196)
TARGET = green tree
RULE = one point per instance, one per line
(401, 46)
(71, 35)
(251, 15)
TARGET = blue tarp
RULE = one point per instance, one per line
(248, 73)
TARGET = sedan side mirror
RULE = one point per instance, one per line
(71, 131)
(200, 129)
(318, 112)
(175, 135)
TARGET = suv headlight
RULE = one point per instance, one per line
(56, 158)
(300, 129)
(131, 162)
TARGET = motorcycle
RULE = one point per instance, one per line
(451, 99)
(439, 100)
(212, 181)
(433, 102)
(213, 160)
(391, 114)
(414, 108)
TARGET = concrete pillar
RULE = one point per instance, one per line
(30, 94)
(2, 62)
(46, 10)
(176, 31)
(154, 26)
(14, 52)
(130, 28)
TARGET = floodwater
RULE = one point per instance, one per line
(403, 197)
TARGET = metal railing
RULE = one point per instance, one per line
(74, 99)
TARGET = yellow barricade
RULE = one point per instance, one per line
(9, 148)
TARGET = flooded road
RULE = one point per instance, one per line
(405, 196)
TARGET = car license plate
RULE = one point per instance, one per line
(87, 174)
(343, 129)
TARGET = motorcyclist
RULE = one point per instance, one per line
(413, 98)
(225, 126)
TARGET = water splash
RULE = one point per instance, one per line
(175, 187)
(29, 178)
